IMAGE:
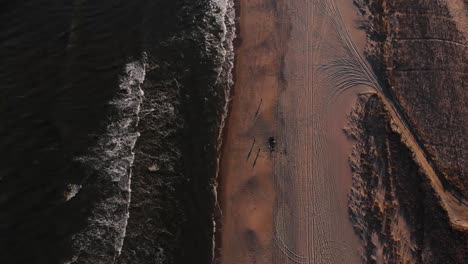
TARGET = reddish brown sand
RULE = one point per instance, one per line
(284, 171)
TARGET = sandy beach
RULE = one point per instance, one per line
(284, 175)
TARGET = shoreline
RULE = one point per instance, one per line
(217, 214)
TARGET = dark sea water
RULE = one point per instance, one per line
(60, 65)
(110, 113)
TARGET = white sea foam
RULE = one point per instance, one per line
(71, 191)
(109, 163)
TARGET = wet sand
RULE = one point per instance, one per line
(284, 176)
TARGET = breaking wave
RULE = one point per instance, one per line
(109, 166)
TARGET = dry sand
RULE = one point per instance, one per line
(284, 171)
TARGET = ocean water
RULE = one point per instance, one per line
(88, 87)
(64, 66)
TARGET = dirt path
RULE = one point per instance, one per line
(284, 171)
